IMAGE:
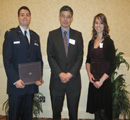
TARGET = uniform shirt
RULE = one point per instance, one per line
(27, 34)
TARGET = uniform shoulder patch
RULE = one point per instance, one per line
(11, 29)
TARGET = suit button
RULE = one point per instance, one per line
(66, 63)
(28, 59)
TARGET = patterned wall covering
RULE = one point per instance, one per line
(45, 18)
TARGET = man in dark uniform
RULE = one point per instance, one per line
(65, 56)
(21, 45)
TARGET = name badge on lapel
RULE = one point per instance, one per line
(36, 44)
(16, 42)
(72, 41)
(101, 45)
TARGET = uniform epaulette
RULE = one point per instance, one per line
(11, 29)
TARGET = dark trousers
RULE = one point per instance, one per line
(20, 107)
(101, 115)
(57, 98)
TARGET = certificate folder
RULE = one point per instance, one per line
(95, 70)
(30, 72)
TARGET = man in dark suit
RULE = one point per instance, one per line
(65, 56)
(20, 47)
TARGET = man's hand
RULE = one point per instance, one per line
(65, 77)
(69, 76)
(38, 83)
(19, 84)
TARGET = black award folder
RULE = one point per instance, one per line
(30, 72)
(95, 70)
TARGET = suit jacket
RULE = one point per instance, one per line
(15, 51)
(60, 63)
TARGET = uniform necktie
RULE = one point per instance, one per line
(25, 33)
(65, 43)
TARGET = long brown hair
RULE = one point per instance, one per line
(103, 19)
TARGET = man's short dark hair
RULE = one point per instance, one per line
(66, 8)
(25, 8)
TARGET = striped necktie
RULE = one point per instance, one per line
(65, 43)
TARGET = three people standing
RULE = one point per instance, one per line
(65, 57)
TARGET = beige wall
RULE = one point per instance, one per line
(45, 18)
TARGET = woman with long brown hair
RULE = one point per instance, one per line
(100, 64)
